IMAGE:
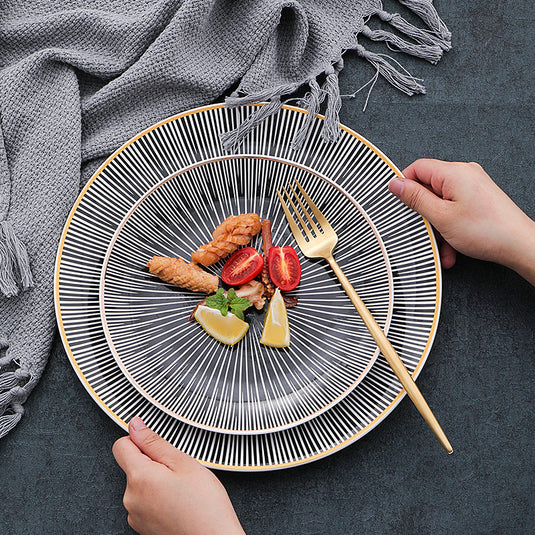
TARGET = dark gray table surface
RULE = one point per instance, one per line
(57, 473)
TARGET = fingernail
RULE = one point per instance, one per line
(397, 186)
(137, 424)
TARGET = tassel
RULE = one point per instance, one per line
(8, 286)
(9, 421)
(234, 101)
(404, 82)
(16, 393)
(427, 12)
(424, 37)
(13, 257)
(431, 53)
(10, 379)
(5, 400)
(311, 102)
(231, 140)
(331, 128)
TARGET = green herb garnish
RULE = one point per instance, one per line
(219, 301)
(237, 304)
(231, 301)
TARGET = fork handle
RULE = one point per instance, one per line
(391, 356)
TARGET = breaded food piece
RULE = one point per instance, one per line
(235, 231)
(189, 276)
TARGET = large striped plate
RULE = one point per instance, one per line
(248, 387)
(182, 141)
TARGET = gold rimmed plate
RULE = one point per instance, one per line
(179, 142)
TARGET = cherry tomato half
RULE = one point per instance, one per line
(284, 267)
(242, 266)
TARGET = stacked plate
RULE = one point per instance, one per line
(247, 406)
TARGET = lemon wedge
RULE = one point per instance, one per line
(276, 331)
(228, 329)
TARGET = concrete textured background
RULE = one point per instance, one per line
(57, 474)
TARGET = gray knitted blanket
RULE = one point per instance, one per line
(79, 78)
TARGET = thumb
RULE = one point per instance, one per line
(418, 197)
(152, 445)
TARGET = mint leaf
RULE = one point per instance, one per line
(236, 304)
(231, 295)
(218, 301)
(240, 303)
(238, 314)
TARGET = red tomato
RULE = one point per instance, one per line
(284, 267)
(243, 265)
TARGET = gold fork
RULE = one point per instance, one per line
(321, 245)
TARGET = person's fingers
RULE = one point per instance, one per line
(448, 255)
(127, 454)
(152, 445)
(431, 172)
(419, 198)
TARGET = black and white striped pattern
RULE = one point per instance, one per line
(353, 165)
(246, 388)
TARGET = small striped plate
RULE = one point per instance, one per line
(180, 142)
(248, 387)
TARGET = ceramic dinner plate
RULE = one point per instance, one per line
(361, 172)
(248, 387)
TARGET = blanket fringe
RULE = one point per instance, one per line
(9, 380)
(428, 44)
(14, 262)
(419, 35)
(427, 12)
(311, 102)
(11, 402)
(406, 83)
(331, 128)
(231, 140)
(431, 53)
(9, 421)
(16, 394)
(13, 390)
(329, 91)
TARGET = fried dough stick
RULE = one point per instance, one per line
(235, 231)
(189, 276)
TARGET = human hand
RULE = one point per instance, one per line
(169, 492)
(471, 213)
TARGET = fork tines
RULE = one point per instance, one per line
(312, 229)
